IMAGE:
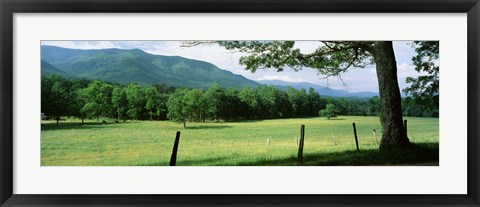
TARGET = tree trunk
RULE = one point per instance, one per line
(83, 122)
(393, 132)
(184, 125)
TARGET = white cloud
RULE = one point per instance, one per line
(82, 44)
(280, 77)
(408, 70)
(403, 48)
(405, 70)
(307, 46)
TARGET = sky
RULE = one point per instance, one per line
(355, 80)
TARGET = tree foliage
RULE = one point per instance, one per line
(177, 107)
(56, 96)
(215, 97)
(153, 102)
(136, 100)
(98, 98)
(120, 102)
(425, 88)
(329, 112)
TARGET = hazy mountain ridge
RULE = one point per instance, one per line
(48, 69)
(322, 90)
(125, 66)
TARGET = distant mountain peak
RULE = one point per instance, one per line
(322, 90)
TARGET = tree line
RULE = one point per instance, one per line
(94, 99)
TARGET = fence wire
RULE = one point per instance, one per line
(164, 149)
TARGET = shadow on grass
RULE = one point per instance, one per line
(77, 125)
(284, 118)
(424, 154)
(417, 153)
(245, 120)
(335, 119)
(205, 162)
(208, 127)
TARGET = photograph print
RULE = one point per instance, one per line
(240, 103)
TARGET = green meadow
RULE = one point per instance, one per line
(243, 143)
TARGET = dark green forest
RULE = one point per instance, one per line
(86, 99)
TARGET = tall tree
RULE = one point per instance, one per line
(56, 96)
(332, 58)
(94, 100)
(315, 102)
(177, 107)
(298, 101)
(120, 102)
(98, 98)
(393, 131)
(77, 99)
(136, 100)
(152, 99)
(342, 106)
(215, 96)
(249, 97)
(232, 103)
(267, 96)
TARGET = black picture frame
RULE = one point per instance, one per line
(9, 7)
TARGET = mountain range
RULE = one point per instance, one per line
(322, 90)
(126, 66)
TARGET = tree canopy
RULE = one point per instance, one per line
(329, 112)
(424, 88)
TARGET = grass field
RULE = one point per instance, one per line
(149, 143)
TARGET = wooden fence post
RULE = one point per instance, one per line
(405, 125)
(300, 145)
(173, 159)
(355, 133)
(334, 140)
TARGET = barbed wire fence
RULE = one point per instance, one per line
(201, 146)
